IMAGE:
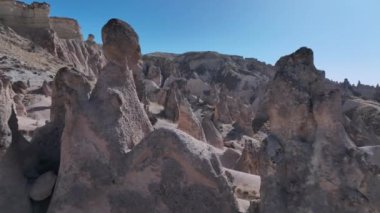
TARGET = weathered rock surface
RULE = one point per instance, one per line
(363, 121)
(246, 186)
(102, 124)
(229, 158)
(6, 111)
(172, 172)
(171, 110)
(13, 189)
(88, 58)
(309, 164)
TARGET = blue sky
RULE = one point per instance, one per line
(344, 34)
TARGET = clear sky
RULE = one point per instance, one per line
(344, 34)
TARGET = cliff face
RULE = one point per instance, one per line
(59, 36)
(66, 28)
(23, 17)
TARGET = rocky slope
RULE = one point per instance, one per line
(85, 128)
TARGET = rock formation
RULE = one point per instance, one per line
(102, 124)
(171, 110)
(66, 28)
(43, 186)
(249, 161)
(115, 131)
(24, 18)
(6, 111)
(59, 36)
(169, 171)
(309, 164)
(240, 76)
(13, 185)
(212, 135)
(362, 121)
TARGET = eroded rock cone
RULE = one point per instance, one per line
(213, 136)
(188, 122)
(169, 171)
(101, 126)
(250, 159)
(171, 110)
(308, 164)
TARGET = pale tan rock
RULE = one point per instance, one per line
(246, 186)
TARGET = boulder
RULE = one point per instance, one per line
(43, 186)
